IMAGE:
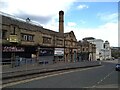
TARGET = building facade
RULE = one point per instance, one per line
(86, 51)
(103, 50)
(22, 38)
(106, 51)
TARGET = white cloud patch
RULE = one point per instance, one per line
(108, 17)
(71, 24)
(108, 31)
(98, 0)
(83, 6)
(53, 24)
(36, 7)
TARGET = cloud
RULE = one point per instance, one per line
(42, 11)
(40, 19)
(107, 17)
(82, 6)
(97, 0)
(52, 24)
(71, 24)
(3, 4)
(108, 31)
(37, 7)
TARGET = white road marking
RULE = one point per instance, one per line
(38, 78)
(102, 79)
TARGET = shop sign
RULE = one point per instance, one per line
(13, 38)
(12, 49)
(46, 52)
(59, 52)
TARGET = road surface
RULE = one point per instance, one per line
(103, 76)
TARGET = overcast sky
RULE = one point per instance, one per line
(91, 18)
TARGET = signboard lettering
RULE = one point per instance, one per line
(12, 49)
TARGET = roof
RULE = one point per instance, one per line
(29, 26)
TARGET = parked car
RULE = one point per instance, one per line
(117, 68)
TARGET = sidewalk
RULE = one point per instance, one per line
(7, 71)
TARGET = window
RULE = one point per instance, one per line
(14, 31)
(30, 38)
(27, 37)
(66, 43)
(4, 34)
(46, 40)
(86, 49)
(83, 49)
(59, 42)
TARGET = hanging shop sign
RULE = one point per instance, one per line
(12, 49)
(13, 38)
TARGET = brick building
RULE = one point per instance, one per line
(24, 39)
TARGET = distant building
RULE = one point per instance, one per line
(106, 51)
(86, 51)
(103, 50)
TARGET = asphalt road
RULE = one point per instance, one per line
(103, 76)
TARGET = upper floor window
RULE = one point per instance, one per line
(13, 30)
(4, 34)
(27, 37)
(83, 49)
(46, 40)
(86, 49)
(59, 42)
(66, 43)
(30, 38)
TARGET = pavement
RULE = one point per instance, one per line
(9, 72)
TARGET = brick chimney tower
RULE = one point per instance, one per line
(61, 21)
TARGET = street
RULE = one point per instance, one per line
(103, 76)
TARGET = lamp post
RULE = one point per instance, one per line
(13, 40)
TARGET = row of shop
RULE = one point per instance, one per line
(46, 54)
(49, 54)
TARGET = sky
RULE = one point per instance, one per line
(87, 18)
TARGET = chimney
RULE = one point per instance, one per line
(61, 21)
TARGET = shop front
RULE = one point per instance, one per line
(9, 53)
(46, 55)
(13, 53)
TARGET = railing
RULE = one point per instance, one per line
(21, 61)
